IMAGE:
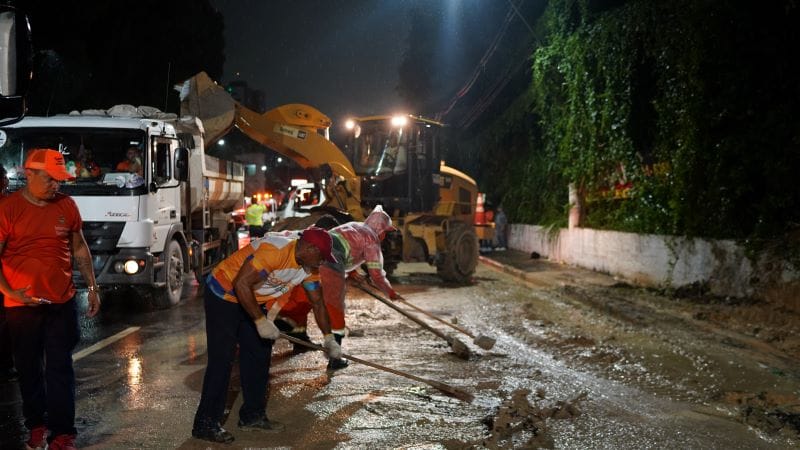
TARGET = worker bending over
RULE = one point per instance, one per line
(262, 273)
(354, 244)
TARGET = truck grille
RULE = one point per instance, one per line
(102, 238)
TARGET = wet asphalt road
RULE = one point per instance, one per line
(549, 381)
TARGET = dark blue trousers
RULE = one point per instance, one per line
(227, 324)
(43, 338)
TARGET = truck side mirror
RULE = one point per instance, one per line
(15, 63)
(181, 164)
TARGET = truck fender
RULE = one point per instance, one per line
(176, 233)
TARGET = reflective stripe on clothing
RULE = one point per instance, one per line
(296, 310)
(273, 256)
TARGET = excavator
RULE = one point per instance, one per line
(394, 161)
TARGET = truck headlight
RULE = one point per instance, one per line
(130, 266)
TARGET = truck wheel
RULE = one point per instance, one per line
(461, 254)
(169, 295)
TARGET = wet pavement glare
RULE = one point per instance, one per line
(576, 364)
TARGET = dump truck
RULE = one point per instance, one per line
(155, 206)
(394, 161)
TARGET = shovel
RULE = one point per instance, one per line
(446, 388)
(459, 348)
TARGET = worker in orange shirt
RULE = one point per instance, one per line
(258, 275)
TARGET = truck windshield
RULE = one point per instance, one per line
(380, 149)
(103, 161)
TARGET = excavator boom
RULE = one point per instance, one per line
(291, 130)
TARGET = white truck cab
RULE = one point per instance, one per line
(153, 204)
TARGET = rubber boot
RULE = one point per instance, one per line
(297, 348)
(337, 363)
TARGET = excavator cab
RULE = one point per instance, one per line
(396, 159)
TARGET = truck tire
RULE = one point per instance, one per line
(461, 254)
(170, 294)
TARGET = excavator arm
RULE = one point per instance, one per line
(291, 130)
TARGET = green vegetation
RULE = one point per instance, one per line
(672, 117)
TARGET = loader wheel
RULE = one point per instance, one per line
(461, 254)
(169, 295)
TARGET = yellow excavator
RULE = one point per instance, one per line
(394, 161)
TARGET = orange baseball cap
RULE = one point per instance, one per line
(50, 161)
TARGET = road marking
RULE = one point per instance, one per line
(105, 342)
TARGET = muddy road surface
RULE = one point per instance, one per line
(580, 361)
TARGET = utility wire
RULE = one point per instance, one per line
(478, 109)
(479, 68)
(514, 7)
(489, 96)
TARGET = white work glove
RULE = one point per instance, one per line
(267, 329)
(332, 347)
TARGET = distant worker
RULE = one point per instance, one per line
(501, 228)
(262, 273)
(132, 162)
(254, 216)
(354, 244)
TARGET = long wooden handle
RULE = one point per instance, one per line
(446, 388)
(414, 318)
(435, 317)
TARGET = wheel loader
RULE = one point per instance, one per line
(393, 161)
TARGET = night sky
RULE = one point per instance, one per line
(342, 56)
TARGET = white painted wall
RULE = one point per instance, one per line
(661, 261)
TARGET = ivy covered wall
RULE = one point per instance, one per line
(679, 117)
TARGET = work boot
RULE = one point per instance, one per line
(63, 442)
(263, 424)
(213, 434)
(338, 363)
(297, 348)
(38, 438)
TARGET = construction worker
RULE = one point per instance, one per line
(354, 244)
(260, 274)
(254, 216)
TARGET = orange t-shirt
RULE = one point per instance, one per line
(37, 246)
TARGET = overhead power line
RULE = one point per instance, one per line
(479, 67)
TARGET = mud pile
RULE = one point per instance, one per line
(517, 423)
(767, 411)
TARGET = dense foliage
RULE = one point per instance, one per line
(672, 117)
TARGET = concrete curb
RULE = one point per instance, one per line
(503, 267)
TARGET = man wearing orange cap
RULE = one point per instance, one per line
(40, 234)
(262, 273)
(354, 244)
